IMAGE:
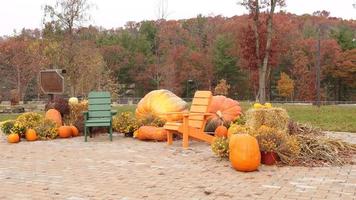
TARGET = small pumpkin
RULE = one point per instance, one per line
(54, 115)
(75, 131)
(151, 133)
(13, 138)
(31, 135)
(221, 131)
(244, 152)
(64, 132)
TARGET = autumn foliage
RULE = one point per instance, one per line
(186, 55)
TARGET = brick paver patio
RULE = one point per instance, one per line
(130, 169)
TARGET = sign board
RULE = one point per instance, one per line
(52, 81)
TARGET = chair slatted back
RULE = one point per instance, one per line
(200, 104)
(99, 105)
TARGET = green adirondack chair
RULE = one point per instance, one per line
(99, 112)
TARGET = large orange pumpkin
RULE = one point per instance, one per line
(244, 153)
(64, 132)
(151, 133)
(31, 135)
(221, 131)
(75, 131)
(13, 138)
(158, 102)
(224, 111)
(54, 115)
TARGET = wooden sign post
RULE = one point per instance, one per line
(52, 82)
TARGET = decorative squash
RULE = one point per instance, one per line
(151, 133)
(224, 109)
(64, 132)
(158, 102)
(31, 135)
(73, 100)
(232, 130)
(54, 115)
(75, 131)
(221, 131)
(13, 138)
(244, 153)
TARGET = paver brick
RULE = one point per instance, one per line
(131, 169)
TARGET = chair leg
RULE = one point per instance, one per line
(85, 134)
(110, 131)
(169, 137)
(185, 139)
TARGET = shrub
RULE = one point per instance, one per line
(152, 121)
(14, 97)
(76, 117)
(26, 121)
(6, 126)
(125, 123)
(59, 104)
(46, 129)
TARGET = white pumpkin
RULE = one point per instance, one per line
(73, 100)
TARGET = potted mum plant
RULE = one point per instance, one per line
(269, 140)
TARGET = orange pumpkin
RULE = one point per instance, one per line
(151, 133)
(224, 111)
(75, 131)
(64, 132)
(221, 131)
(13, 138)
(244, 153)
(31, 135)
(54, 115)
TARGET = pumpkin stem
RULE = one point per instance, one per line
(219, 114)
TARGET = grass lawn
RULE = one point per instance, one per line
(332, 118)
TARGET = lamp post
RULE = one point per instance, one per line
(189, 81)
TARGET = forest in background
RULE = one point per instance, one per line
(186, 55)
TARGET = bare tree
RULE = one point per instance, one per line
(162, 13)
(254, 7)
(68, 13)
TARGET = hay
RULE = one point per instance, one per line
(318, 149)
(324, 151)
(272, 117)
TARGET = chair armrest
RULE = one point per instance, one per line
(174, 113)
(113, 112)
(86, 115)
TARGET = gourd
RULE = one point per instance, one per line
(221, 131)
(224, 111)
(151, 133)
(31, 135)
(73, 100)
(54, 115)
(64, 132)
(13, 138)
(75, 131)
(244, 153)
(158, 102)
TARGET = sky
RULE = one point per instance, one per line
(17, 14)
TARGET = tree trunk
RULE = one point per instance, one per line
(19, 83)
(257, 43)
(263, 70)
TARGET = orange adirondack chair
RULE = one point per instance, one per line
(193, 122)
